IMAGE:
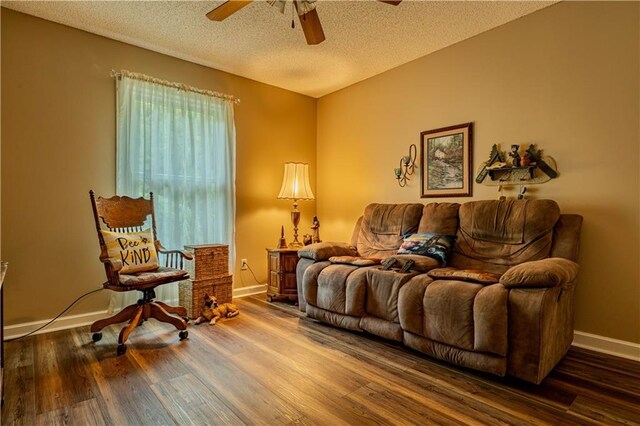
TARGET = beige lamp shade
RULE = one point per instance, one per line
(295, 182)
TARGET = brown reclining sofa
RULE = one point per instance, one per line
(503, 304)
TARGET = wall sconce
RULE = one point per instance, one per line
(408, 162)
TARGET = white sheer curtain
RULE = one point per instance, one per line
(180, 145)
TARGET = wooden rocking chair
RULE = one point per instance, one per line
(124, 214)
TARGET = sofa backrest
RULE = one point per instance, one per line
(440, 218)
(491, 235)
(383, 226)
(566, 237)
(496, 234)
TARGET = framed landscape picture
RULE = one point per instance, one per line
(445, 161)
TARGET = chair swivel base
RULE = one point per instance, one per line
(136, 314)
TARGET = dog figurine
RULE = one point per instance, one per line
(212, 312)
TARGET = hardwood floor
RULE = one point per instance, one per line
(271, 366)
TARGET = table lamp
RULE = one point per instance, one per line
(295, 186)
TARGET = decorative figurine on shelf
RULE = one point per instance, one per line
(316, 230)
(307, 239)
(282, 244)
(528, 168)
(514, 154)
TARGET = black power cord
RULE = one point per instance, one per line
(56, 317)
(254, 275)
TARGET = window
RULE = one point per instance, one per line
(180, 145)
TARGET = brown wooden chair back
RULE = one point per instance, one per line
(125, 214)
(122, 214)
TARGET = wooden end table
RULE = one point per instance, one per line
(282, 274)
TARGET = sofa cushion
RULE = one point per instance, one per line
(466, 315)
(355, 260)
(382, 293)
(428, 244)
(471, 275)
(440, 218)
(341, 289)
(325, 250)
(383, 227)
(380, 327)
(420, 263)
(494, 235)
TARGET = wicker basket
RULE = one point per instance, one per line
(223, 288)
(209, 261)
(191, 293)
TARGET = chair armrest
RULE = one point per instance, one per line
(325, 250)
(115, 265)
(551, 272)
(185, 254)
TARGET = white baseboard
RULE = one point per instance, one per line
(79, 320)
(249, 291)
(607, 345)
(62, 323)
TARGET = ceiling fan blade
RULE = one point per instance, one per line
(311, 26)
(393, 2)
(227, 9)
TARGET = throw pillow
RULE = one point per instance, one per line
(136, 250)
(355, 260)
(472, 275)
(428, 244)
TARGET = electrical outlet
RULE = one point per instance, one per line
(244, 265)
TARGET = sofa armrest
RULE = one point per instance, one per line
(551, 272)
(325, 250)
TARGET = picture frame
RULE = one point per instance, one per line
(446, 161)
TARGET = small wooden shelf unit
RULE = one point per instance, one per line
(282, 274)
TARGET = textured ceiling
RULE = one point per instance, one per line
(364, 38)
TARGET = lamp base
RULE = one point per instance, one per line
(295, 245)
(295, 219)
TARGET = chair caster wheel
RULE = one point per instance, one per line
(183, 334)
(122, 348)
(96, 337)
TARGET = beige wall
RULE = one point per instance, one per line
(565, 78)
(58, 141)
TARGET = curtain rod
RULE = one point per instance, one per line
(179, 86)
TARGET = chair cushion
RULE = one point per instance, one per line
(135, 250)
(160, 275)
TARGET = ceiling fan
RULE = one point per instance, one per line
(306, 10)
